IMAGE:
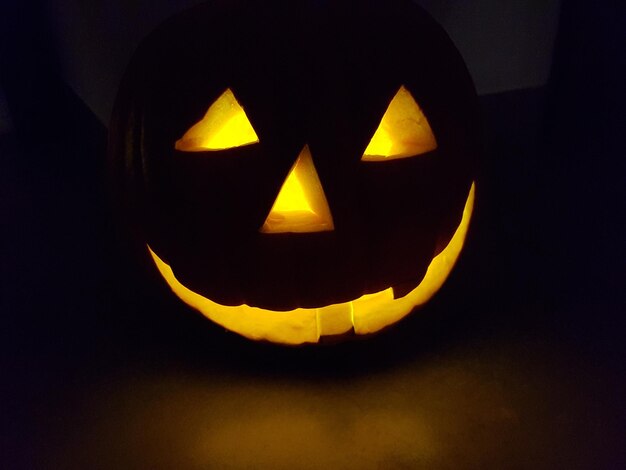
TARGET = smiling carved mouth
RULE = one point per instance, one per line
(367, 314)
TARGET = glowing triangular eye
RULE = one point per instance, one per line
(403, 131)
(225, 125)
(301, 205)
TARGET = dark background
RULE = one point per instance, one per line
(517, 363)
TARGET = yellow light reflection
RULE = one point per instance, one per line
(403, 131)
(225, 125)
(367, 314)
(301, 205)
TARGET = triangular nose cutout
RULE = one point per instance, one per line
(301, 205)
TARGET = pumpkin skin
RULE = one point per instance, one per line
(307, 73)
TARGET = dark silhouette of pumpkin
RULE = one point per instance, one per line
(279, 157)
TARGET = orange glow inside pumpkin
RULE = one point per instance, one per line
(367, 314)
(301, 205)
(225, 125)
(403, 131)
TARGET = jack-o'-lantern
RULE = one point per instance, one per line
(299, 169)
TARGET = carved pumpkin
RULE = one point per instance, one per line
(299, 169)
